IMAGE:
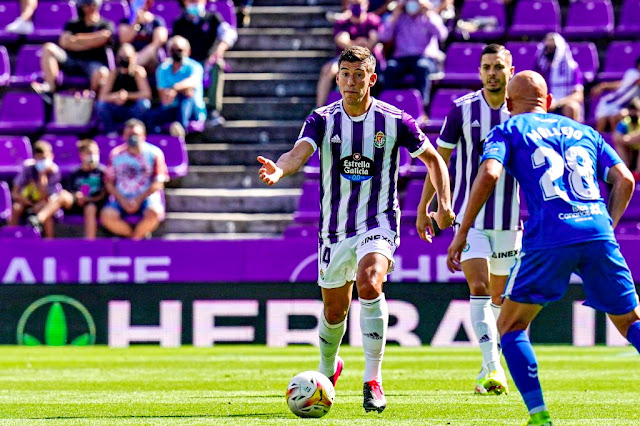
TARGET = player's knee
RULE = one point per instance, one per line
(506, 325)
(478, 287)
(335, 313)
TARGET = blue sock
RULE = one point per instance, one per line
(523, 366)
(633, 335)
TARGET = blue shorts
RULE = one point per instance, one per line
(153, 202)
(542, 276)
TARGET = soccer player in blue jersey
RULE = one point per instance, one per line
(358, 139)
(496, 236)
(557, 162)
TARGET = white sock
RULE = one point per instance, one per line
(374, 319)
(484, 325)
(496, 313)
(330, 336)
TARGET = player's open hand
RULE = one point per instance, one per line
(269, 172)
(424, 225)
(444, 217)
(455, 250)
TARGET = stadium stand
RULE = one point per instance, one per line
(8, 12)
(49, 19)
(493, 12)
(21, 113)
(589, 19)
(5, 203)
(629, 21)
(535, 18)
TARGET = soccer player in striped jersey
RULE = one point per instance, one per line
(496, 236)
(358, 139)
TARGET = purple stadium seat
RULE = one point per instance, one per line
(5, 203)
(411, 199)
(312, 168)
(474, 9)
(588, 19)
(14, 150)
(586, 55)
(175, 153)
(301, 231)
(621, 55)
(28, 66)
(535, 18)
(633, 210)
(9, 10)
(408, 100)
(114, 11)
(49, 20)
(333, 96)
(169, 11)
(404, 163)
(21, 113)
(5, 67)
(12, 232)
(441, 103)
(524, 54)
(629, 20)
(461, 64)
(309, 204)
(65, 152)
(106, 144)
(226, 9)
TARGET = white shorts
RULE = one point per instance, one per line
(604, 109)
(338, 262)
(500, 248)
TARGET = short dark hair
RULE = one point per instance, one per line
(42, 147)
(358, 54)
(495, 49)
(134, 122)
(83, 145)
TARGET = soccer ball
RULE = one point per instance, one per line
(310, 394)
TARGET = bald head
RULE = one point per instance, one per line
(527, 92)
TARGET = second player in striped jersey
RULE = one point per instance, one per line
(495, 239)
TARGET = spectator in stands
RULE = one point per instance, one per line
(126, 94)
(34, 186)
(562, 73)
(81, 49)
(626, 138)
(179, 80)
(611, 107)
(86, 194)
(415, 30)
(23, 24)
(244, 13)
(210, 37)
(359, 29)
(135, 180)
(147, 33)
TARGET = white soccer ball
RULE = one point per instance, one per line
(310, 394)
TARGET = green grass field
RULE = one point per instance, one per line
(245, 385)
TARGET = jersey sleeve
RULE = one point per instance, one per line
(607, 158)
(451, 129)
(496, 146)
(411, 137)
(312, 131)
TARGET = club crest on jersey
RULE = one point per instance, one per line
(380, 140)
(356, 167)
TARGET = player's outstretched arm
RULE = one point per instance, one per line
(623, 184)
(439, 176)
(483, 185)
(288, 163)
(423, 221)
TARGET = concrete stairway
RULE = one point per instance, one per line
(267, 95)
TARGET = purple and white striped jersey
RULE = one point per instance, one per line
(465, 127)
(359, 166)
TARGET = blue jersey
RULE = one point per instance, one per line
(557, 162)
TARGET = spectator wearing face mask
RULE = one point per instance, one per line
(415, 31)
(37, 184)
(179, 80)
(134, 179)
(626, 139)
(360, 28)
(126, 94)
(562, 73)
(210, 37)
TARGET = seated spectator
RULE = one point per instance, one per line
(37, 184)
(562, 73)
(134, 179)
(611, 107)
(82, 49)
(626, 139)
(360, 29)
(244, 13)
(179, 80)
(147, 33)
(210, 37)
(23, 24)
(379, 7)
(86, 193)
(415, 30)
(126, 94)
